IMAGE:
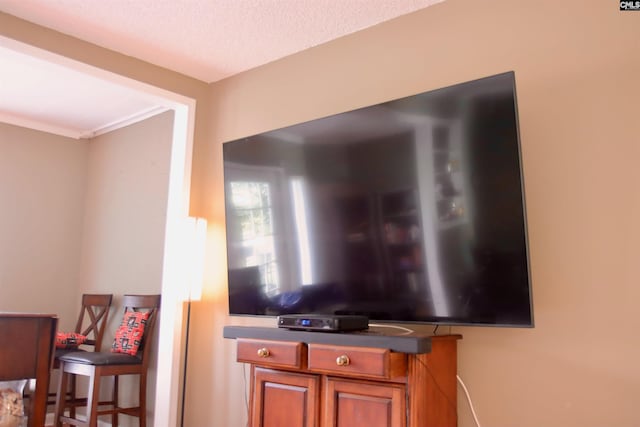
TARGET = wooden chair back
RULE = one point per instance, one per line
(92, 322)
(96, 365)
(93, 318)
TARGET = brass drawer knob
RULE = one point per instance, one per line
(343, 360)
(263, 352)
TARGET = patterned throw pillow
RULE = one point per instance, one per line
(68, 340)
(129, 334)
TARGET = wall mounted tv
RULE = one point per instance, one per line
(410, 210)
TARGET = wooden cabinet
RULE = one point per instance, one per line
(363, 403)
(282, 399)
(303, 383)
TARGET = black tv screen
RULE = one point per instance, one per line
(410, 210)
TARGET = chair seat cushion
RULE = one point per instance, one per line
(100, 358)
(63, 351)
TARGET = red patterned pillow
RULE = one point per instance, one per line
(69, 340)
(129, 334)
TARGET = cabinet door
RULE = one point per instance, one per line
(363, 404)
(285, 399)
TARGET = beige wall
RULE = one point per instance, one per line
(177, 88)
(42, 193)
(125, 214)
(578, 92)
(84, 217)
(124, 223)
(576, 72)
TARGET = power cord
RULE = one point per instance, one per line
(406, 330)
(466, 392)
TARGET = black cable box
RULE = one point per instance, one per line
(323, 322)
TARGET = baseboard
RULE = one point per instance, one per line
(50, 422)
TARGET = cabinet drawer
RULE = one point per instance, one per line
(357, 361)
(271, 353)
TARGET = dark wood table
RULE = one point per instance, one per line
(27, 346)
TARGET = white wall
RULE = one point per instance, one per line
(42, 193)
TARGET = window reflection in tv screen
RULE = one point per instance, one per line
(410, 210)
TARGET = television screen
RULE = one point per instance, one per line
(410, 210)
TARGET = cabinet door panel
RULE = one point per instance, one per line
(366, 404)
(285, 399)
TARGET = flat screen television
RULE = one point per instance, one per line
(411, 210)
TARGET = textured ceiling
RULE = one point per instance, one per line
(205, 39)
(209, 39)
